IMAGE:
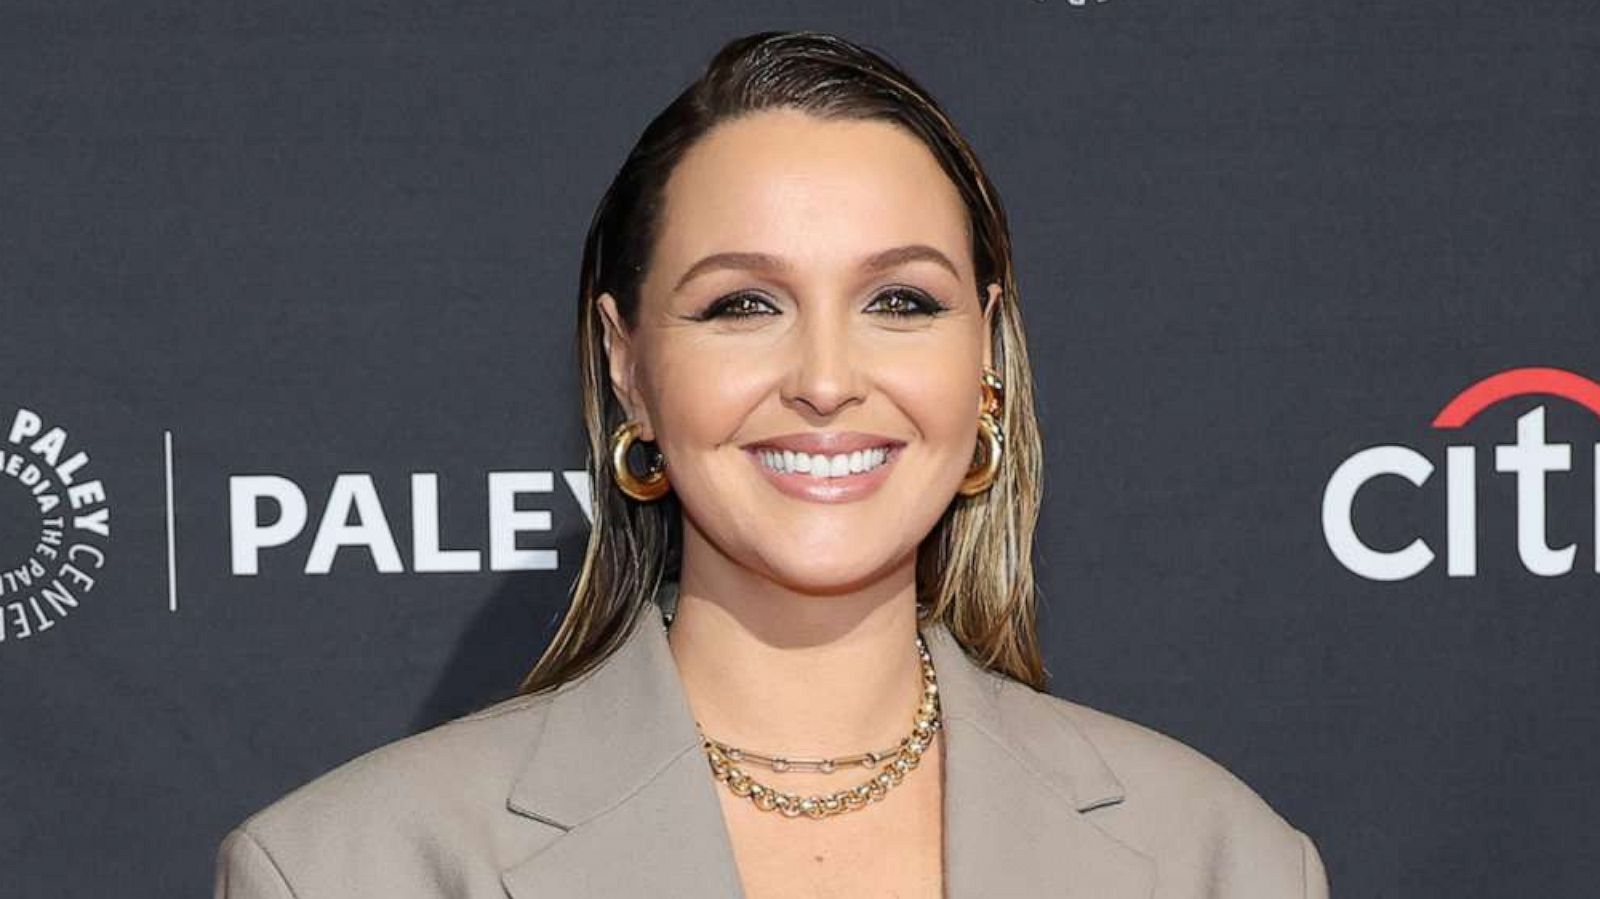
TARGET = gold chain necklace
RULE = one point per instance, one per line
(897, 762)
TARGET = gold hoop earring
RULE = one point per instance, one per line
(654, 485)
(991, 437)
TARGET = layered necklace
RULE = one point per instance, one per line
(891, 764)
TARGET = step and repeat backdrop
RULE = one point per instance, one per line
(290, 434)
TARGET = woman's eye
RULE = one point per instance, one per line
(739, 305)
(902, 301)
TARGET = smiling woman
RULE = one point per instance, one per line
(800, 658)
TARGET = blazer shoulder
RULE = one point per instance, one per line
(1193, 815)
(1152, 764)
(434, 793)
(447, 763)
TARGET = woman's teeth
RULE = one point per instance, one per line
(821, 466)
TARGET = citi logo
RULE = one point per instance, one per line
(1530, 460)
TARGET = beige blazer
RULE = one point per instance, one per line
(600, 789)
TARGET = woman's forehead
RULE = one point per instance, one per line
(814, 190)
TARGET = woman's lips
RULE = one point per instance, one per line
(842, 489)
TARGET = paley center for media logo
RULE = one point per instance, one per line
(1532, 459)
(63, 538)
(267, 512)
(55, 527)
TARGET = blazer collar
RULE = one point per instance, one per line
(618, 771)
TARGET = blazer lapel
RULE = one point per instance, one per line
(1020, 780)
(617, 770)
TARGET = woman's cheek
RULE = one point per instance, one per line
(940, 397)
(703, 397)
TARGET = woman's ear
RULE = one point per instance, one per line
(621, 361)
(989, 312)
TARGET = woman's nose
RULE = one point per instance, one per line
(824, 374)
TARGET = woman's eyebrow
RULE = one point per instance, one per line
(765, 262)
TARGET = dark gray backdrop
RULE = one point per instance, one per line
(320, 244)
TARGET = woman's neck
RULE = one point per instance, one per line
(773, 669)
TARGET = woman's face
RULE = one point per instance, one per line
(847, 321)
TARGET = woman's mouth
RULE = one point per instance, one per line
(826, 477)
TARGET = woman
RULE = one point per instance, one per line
(800, 659)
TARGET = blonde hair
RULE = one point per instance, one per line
(974, 569)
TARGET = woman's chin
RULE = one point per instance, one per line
(833, 571)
